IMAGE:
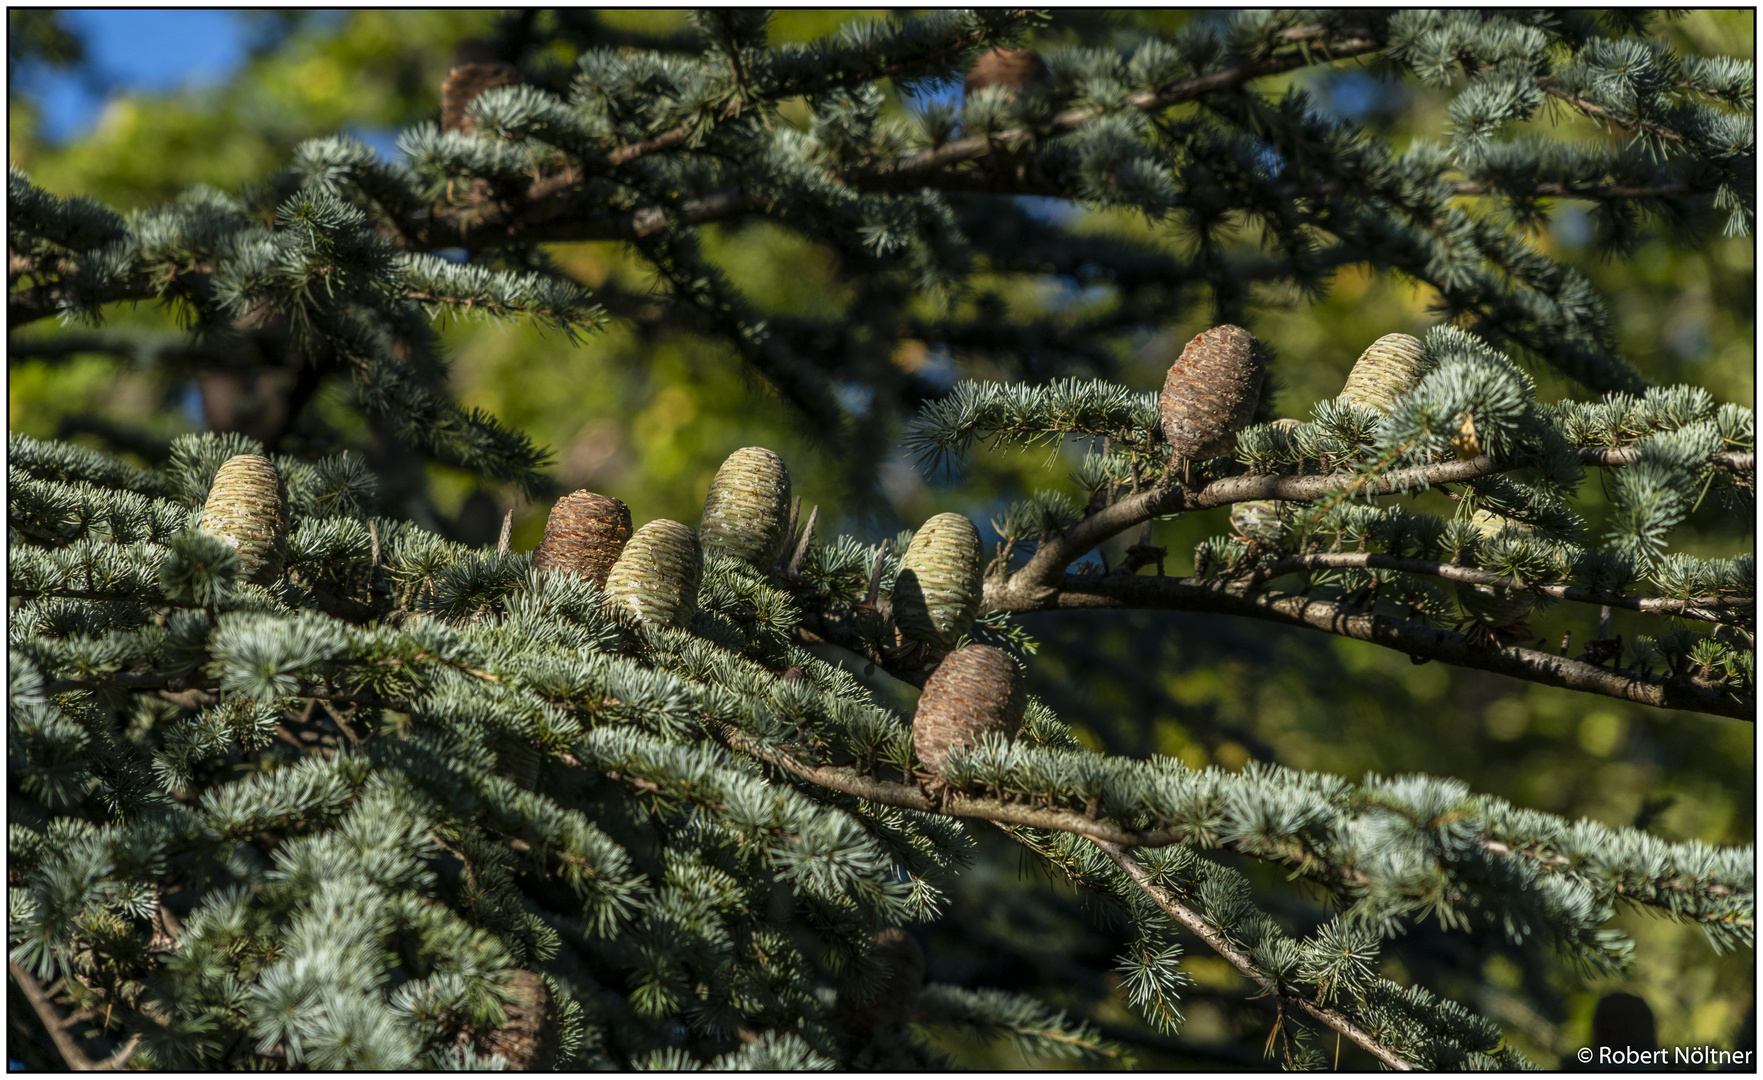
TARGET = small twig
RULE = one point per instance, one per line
(1197, 924)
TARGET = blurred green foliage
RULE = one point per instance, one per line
(647, 411)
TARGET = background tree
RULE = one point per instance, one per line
(821, 218)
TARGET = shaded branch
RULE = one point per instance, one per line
(1698, 608)
(52, 1022)
(1239, 959)
(1090, 591)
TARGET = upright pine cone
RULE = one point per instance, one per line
(248, 508)
(1211, 391)
(1012, 69)
(583, 536)
(527, 1040)
(976, 690)
(657, 574)
(891, 999)
(747, 513)
(938, 592)
(475, 69)
(1385, 373)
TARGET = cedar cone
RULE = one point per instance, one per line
(1211, 391)
(248, 508)
(1385, 373)
(938, 592)
(583, 536)
(747, 512)
(657, 574)
(892, 997)
(474, 71)
(528, 1039)
(1257, 520)
(1012, 69)
(976, 690)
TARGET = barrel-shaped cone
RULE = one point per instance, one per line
(248, 508)
(747, 512)
(656, 576)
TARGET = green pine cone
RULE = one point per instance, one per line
(656, 576)
(248, 507)
(1385, 373)
(747, 511)
(938, 593)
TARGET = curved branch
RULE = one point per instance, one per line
(1739, 464)
(1089, 591)
(1200, 928)
(545, 212)
(1703, 608)
(1058, 552)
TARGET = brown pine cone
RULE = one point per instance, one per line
(528, 1039)
(1012, 69)
(1211, 391)
(584, 536)
(248, 507)
(465, 82)
(976, 690)
(892, 998)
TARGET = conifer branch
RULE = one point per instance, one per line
(1705, 608)
(1073, 592)
(1240, 959)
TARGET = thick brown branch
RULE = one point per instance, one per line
(1703, 608)
(1740, 464)
(1213, 596)
(1239, 959)
(1058, 552)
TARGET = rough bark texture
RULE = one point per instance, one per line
(584, 536)
(656, 577)
(1385, 373)
(937, 594)
(975, 691)
(528, 1040)
(890, 999)
(248, 507)
(1010, 68)
(747, 512)
(1211, 391)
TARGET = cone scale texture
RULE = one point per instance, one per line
(747, 512)
(656, 577)
(1385, 373)
(975, 691)
(584, 536)
(938, 591)
(248, 507)
(1211, 391)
